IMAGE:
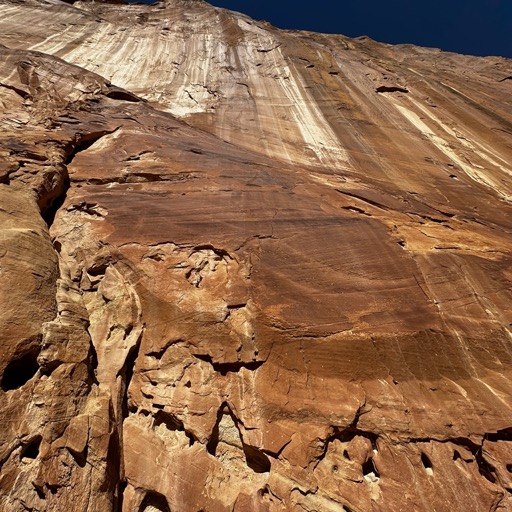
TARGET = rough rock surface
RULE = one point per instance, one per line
(244, 269)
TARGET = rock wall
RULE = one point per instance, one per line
(245, 269)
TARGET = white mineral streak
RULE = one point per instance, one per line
(300, 108)
(193, 72)
(484, 152)
(501, 185)
(478, 173)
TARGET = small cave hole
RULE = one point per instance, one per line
(212, 444)
(501, 435)
(120, 94)
(370, 472)
(456, 455)
(335, 468)
(427, 464)
(263, 492)
(53, 488)
(509, 468)
(39, 491)
(170, 421)
(53, 205)
(256, 459)
(93, 364)
(453, 177)
(154, 502)
(391, 88)
(19, 371)
(486, 470)
(346, 455)
(30, 451)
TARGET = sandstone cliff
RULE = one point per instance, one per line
(245, 269)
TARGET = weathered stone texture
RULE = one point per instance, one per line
(245, 269)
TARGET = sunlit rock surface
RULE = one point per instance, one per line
(245, 269)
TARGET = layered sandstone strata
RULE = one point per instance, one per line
(248, 269)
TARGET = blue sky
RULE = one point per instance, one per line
(475, 27)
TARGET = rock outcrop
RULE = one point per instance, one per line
(246, 269)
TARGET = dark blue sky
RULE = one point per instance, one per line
(475, 27)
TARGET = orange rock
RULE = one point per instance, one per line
(249, 269)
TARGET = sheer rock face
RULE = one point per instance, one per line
(248, 269)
